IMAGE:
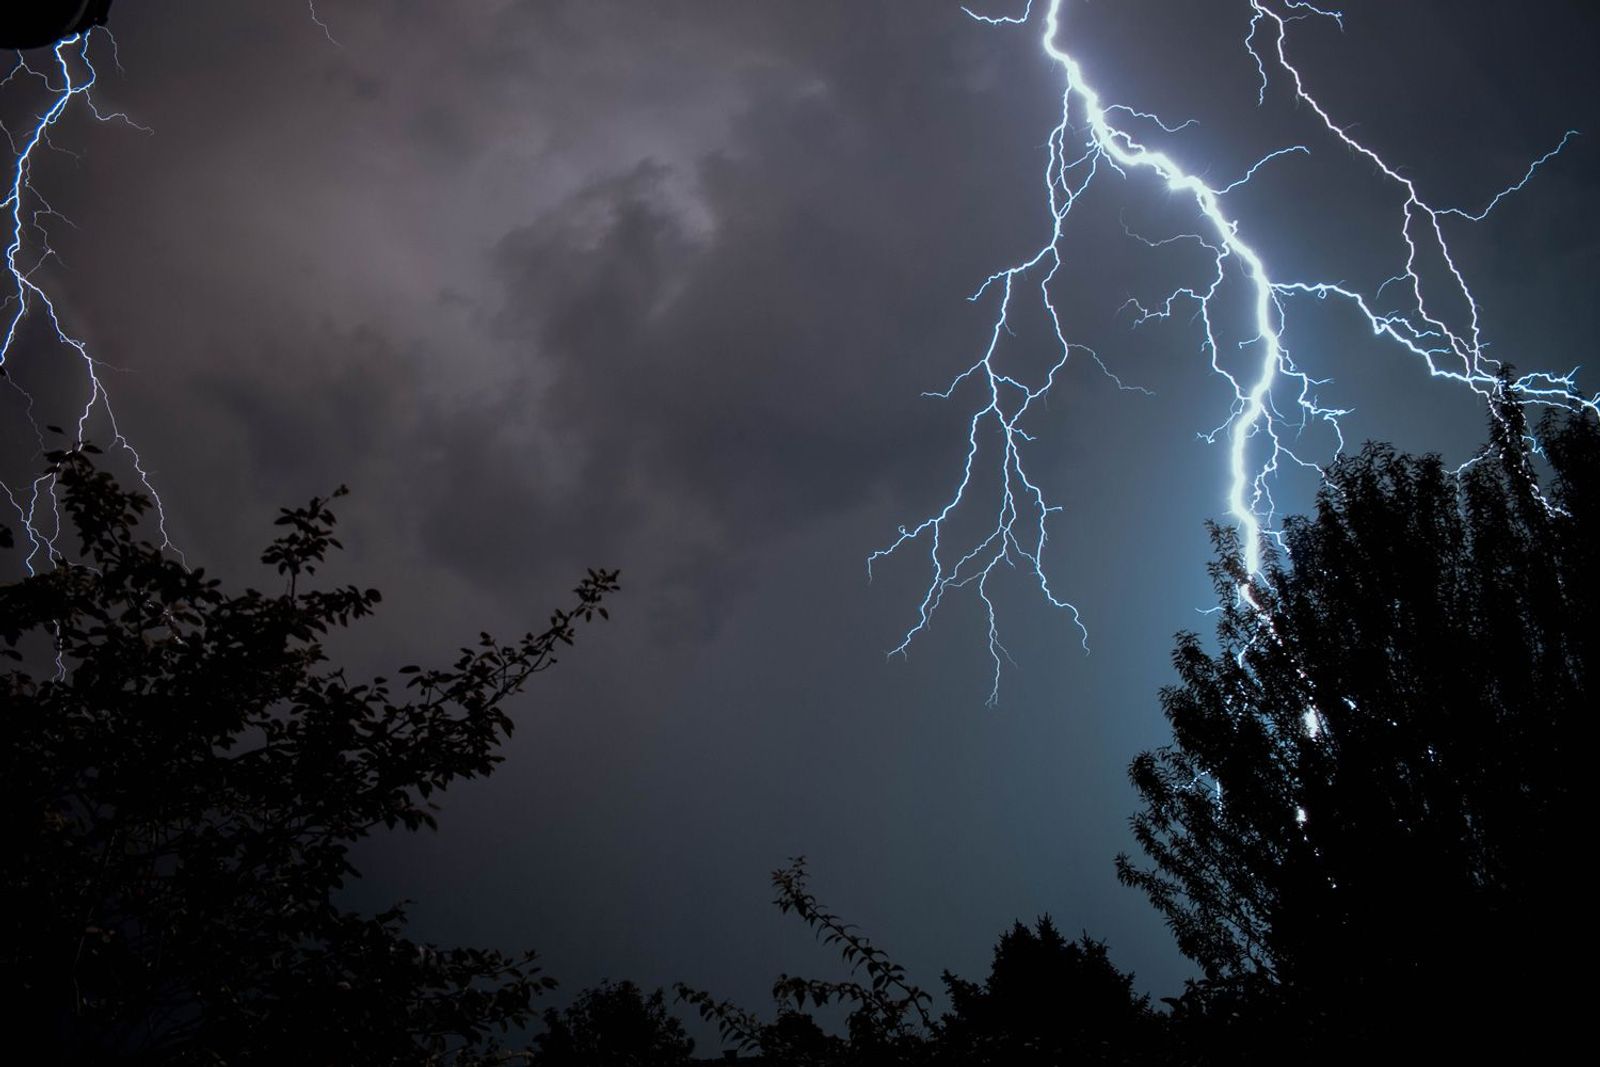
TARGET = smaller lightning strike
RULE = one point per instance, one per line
(1274, 401)
(68, 83)
(311, 6)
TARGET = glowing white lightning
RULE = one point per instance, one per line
(1255, 429)
(26, 210)
(67, 82)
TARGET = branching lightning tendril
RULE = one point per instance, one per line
(1273, 398)
(68, 82)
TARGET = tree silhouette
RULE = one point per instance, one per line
(1365, 827)
(887, 1021)
(184, 773)
(1047, 1001)
(614, 1025)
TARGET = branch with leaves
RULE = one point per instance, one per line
(188, 774)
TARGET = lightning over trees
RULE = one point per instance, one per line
(1364, 828)
(1273, 397)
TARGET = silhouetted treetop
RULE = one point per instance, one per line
(186, 772)
(613, 1025)
(1378, 778)
(1047, 1001)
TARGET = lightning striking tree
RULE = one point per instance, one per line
(1273, 399)
(1365, 827)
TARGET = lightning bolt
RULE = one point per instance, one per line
(1273, 400)
(311, 7)
(67, 82)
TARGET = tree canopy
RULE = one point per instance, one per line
(1365, 827)
(1047, 1001)
(184, 774)
(613, 1025)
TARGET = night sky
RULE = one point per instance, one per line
(658, 286)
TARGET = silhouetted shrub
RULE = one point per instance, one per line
(183, 774)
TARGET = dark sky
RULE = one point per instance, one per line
(658, 286)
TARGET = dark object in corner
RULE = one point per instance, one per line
(39, 23)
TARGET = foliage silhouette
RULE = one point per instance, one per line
(888, 1020)
(614, 1025)
(1364, 829)
(185, 773)
(1047, 1001)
